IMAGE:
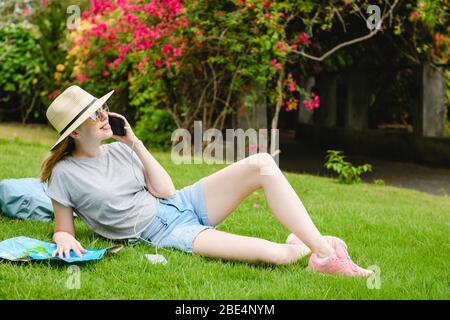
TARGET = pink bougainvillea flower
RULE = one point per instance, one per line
(167, 49)
(291, 87)
(276, 64)
(81, 78)
(316, 100)
(288, 106)
(307, 104)
(117, 61)
(310, 105)
(158, 63)
(303, 38)
(281, 46)
(415, 15)
(292, 105)
(177, 52)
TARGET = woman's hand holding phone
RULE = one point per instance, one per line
(129, 136)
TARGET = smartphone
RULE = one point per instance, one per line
(117, 125)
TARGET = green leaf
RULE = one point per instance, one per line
(10, 87)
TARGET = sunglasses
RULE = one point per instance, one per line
(97, 114)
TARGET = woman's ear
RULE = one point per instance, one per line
(75, 134)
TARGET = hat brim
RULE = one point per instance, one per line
(97, 104)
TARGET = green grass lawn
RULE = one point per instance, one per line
(405, 233)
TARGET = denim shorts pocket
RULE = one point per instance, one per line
(157, 227)
(178, 202)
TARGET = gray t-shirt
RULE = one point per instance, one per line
(104, 192)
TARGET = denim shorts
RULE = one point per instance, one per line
(179, 219)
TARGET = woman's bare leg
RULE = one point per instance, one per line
(218, 244)
(225, 189)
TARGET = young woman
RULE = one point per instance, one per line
(121, 192)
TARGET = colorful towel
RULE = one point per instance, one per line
(26, 249)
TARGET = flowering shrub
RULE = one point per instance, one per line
(271, 39)
(208, 59)
(200, 58)
(123, 42)
(431, 19)
(111, 30)
(169, 45)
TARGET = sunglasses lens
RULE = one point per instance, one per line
(97, 113)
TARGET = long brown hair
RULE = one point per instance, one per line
(62, 150)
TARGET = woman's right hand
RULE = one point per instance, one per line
(66, 242)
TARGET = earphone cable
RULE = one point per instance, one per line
(137, 218)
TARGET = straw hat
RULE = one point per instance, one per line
(71, 108)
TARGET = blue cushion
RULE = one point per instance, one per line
(25, 198)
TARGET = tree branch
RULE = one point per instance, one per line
(350, 42)
(230, 89)
(340, 19)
